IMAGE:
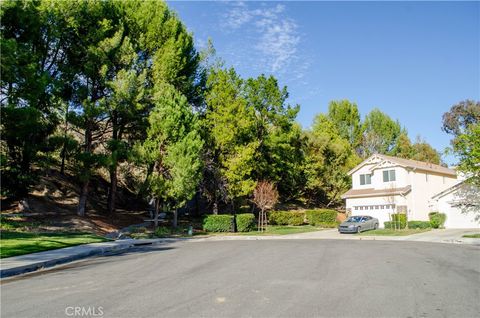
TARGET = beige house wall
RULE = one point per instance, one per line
(424, 186)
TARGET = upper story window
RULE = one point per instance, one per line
(388, 175)
(365, 179)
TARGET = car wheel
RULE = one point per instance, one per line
(375, 226)
(359, 229)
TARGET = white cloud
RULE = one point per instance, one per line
(276, 35)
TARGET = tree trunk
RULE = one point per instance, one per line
(64, 153)
(116, 135)
(155, 216)
(112, 193)
(175, 218)
(82, 201)
(64, 148)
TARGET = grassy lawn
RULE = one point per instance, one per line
(19, 243)
(389, 232)
(476, 235)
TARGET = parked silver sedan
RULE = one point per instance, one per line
(358, 223)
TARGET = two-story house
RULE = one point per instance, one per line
(383, 185)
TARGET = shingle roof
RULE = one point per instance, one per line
(414, 164)
(370, 192)
(425, 166)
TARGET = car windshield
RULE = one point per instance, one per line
(354, 219)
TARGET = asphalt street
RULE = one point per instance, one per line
(275, 278)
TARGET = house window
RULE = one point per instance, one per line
(388, 175)
(365, 179)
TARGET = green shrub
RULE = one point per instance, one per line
(437, 219)
(162, 231)
(245, 222)
(399, 221)
(218, 223)
(419, 224)
(286, 218)
(322, 216)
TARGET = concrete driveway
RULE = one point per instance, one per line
(265, 278)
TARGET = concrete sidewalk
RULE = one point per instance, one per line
(16, 265)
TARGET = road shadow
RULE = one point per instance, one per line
(92, 261)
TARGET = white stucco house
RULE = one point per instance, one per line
(461, 204)
(383, 185)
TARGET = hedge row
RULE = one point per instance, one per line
(319, 217)
(218, 223)
(286, 218)
(419, 224)
(246, 221)
(399, 221)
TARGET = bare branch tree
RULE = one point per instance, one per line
(265, 196)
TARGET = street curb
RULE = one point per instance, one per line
(4, 273)
(94, 251)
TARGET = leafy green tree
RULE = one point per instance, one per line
(379, 133)
(467, 147)
(127, 113)
(345, 116)
(174, 148)
(230, 125)
(252, 133)
(95, 45)
(460, 117)
(156, 48)
(32, 42)
(463, 122)
(403, 147)
(423, 151)
(279, 154)
(329, 158)
(420, 150)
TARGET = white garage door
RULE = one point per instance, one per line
(458, 220)
(375, 211)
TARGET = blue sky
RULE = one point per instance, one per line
(413, 60)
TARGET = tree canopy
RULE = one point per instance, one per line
(93, 87)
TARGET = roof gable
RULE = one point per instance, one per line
(373, 159)
(382, 160)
